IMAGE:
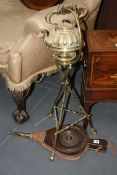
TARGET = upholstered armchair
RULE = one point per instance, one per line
(24, 58)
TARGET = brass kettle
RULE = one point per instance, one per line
(66, 37)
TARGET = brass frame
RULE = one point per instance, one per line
(59, 104)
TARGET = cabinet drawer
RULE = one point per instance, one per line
(102, 71)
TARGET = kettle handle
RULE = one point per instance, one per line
(82, 13)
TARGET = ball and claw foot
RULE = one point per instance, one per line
(20, 116)
(52, 157)
(94, 131)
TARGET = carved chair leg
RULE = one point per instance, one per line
(19, 97)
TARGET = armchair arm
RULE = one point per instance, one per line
(14, 66)
(36, 57)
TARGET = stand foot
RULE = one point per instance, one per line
(52, 157)
(94, 131)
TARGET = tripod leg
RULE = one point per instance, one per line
(58, 97)
(76, 96)
(94, 131)
(87, 107)
(64, 76)
(59, 121)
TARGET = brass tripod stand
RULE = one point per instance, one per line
(60, 106)
(67, 44)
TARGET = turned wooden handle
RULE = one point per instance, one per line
(98, 145)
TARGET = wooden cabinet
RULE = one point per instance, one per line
(99, 78)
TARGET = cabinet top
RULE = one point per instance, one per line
(102, 40)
